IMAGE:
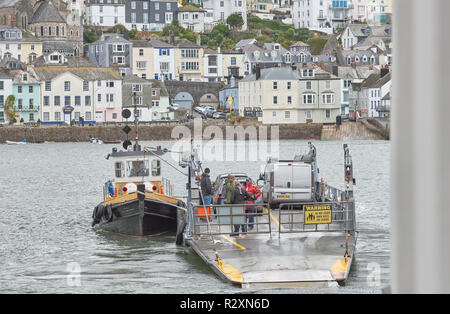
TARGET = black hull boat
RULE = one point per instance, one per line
(130, 218)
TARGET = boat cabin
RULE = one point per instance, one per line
(132, 168)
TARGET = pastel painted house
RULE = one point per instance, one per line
(26, 90)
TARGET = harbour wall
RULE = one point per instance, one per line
(163, 132)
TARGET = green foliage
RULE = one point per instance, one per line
(220, 29)
(227, 44)
(22, 120)
(235, 21)
(119, 29)
(317, 44)
(90, 34)
(133, 34)
(10, 111)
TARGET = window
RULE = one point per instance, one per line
(138, 168)
(57, 116)
(77, 116)
(85, 86)
(274, 114)
(2, 85)
(275, 100)
(308, 85)
(133, 5)
(141, 65)
(99, 97)
(119, 170)
(114, 116)
(289, 85)
(48, 86)
(137, 88)
(287, 114)
(87, 100)
(19, 89)
(110, 84)
(153, 92)
(47, 101)
(30, 89)
(308, 114)
(189, 53)
(77, 101)
(31, 103)
(168, 6)
(46, 116)
(309, 99)
(67, 86)
(328, 98)
(109, 97)
(275, 85)
(20, 103)
(289, 100)
(119, 59)
(57, 100)
(233, 60)
(141, 52)
(66, 100)
(307, 72)
(88, 116)
(328, 113)
(2, 101)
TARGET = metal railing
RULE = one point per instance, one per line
(221, 219)
(333, 216)
(167, 187)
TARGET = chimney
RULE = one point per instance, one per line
(384, 72)
(335, 70)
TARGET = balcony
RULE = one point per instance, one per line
(27, 109)
(337, 7)
(321, 18)
(383, 109)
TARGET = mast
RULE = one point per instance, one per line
(137, 147)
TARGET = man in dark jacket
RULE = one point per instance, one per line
(206, 187)
(239, 196)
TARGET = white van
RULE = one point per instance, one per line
(290, 181)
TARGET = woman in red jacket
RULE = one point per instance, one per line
(255, 193)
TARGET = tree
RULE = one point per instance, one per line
(227, 44)
(219, 29)
(235, 21)
(10, 111)
(90, 34)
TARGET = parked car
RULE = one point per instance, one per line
(220, 181)
(219, 115)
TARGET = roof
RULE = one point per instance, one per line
(274, 74)
(160, 84)
(374, 80)
(47, 13)
(8, 3)
(299, 44)
(135, 79)
(331, 45)
(160, 44)
(141, 44)
(190, 8)
(184, 43)
(71, 62)
(244, 42)
(111, 38)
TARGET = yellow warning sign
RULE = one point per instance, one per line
(317, 214)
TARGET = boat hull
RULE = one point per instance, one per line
(157, 218)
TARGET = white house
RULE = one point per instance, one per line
(105, 13)
(217, 11)
(212, 65)
(192, 18)
(108, 99)
(163, 60)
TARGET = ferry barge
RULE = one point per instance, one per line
(301, 241)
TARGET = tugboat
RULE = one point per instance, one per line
(138, 201)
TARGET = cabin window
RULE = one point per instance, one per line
(156, 168)
(119, 170)
(137, 168)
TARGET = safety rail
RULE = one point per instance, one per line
(316, 217)
(215, 221)
(167, 187)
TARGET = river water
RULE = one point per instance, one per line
(47, 245)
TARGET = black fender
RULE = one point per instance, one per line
(181, 222)
(107, 213)
(97, 214)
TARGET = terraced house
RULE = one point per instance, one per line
(189, 61)
(287, 96)
(27, 95)
(5, 92)
(105, 13)
(70, 89)
(143, 56)
(150, 15)
(13, 44)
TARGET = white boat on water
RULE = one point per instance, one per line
(96, 141)
(16, 143)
